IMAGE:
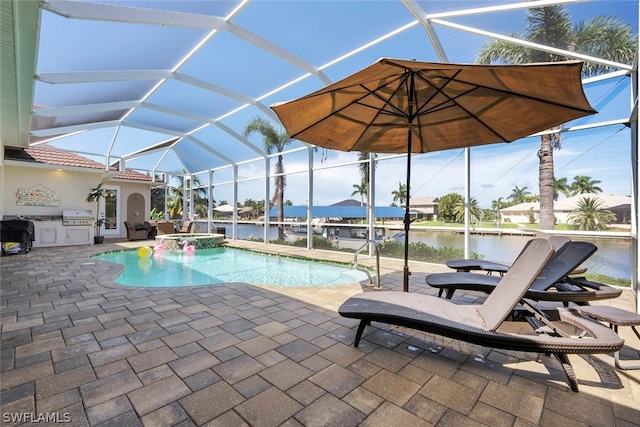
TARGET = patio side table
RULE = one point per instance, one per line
(616, 317)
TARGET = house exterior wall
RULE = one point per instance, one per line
(72, 186)
(620, 205)
(517, 217)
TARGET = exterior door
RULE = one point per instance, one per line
(111, 211)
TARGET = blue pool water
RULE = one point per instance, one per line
(226, 265)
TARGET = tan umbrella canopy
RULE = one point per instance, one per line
(400, 106)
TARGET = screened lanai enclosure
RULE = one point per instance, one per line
(181, 90)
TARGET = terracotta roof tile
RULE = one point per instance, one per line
(51, 156)
(132, 175)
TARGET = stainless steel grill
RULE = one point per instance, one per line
(77, 217)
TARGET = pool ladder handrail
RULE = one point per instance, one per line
(357, 267)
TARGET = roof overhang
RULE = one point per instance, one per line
(19, 22)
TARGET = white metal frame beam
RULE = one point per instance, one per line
(133, 15)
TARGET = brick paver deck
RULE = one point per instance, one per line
(78, 348)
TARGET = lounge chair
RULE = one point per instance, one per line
(136, 231)
(186, 227)
(470, 264)
(478, 324)
(553, 284)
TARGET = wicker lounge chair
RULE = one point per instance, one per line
(470, 264)
(186, 227)
(553, 284)
(136, 231)
(478, 324)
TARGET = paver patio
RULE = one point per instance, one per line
(77, 347)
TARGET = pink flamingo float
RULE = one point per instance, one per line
(159, 247)
(187, 248)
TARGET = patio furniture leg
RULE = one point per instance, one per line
(616, 355)
(615, 317)
(568, 370)
(363, 324)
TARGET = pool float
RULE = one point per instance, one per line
(145, 264)
(188, 248)
(145, 252)
(159, 247)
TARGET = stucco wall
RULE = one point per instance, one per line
(73, 187)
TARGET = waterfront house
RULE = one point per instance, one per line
(521, 213)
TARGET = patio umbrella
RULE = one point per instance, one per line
(403, 106)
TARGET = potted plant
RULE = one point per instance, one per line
(95, 194)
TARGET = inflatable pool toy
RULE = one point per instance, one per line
(188, 248)
(159, 247)
(145, 263)
(145, 252)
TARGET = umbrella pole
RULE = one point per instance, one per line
(407, 222)
(407, 219)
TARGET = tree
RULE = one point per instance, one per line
(273, 140)
(590, 214)
(496, 205)
(400, 195)
(460, 208)
(364, 166)
(447, 205)
(94, 195)
(361, 190)
(561, 186)
(519, 195)
(176, 194)
(602, 37)
(584, 184)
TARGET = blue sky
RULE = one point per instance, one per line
(318, 32)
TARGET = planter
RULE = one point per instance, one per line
(98, 239)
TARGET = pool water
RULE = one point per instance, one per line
(226, 265)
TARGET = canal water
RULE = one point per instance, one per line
(613, 257)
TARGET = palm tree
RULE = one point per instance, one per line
(496, 205)
(561, 186)
(361, 190)
(400, 195)
(175, 201)
(460, 209)
(364, 165)
(603, 37)
(94, 195)
(273, 141)
(519, 195)
(584, 184)
(591, 215)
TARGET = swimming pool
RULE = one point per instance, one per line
(226, 265)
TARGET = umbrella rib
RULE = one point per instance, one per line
(525, 96)
(474, 87)
(504, 91)
(357, 101)
(400, 113)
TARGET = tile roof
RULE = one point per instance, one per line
(132, 175)
(50, 156)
